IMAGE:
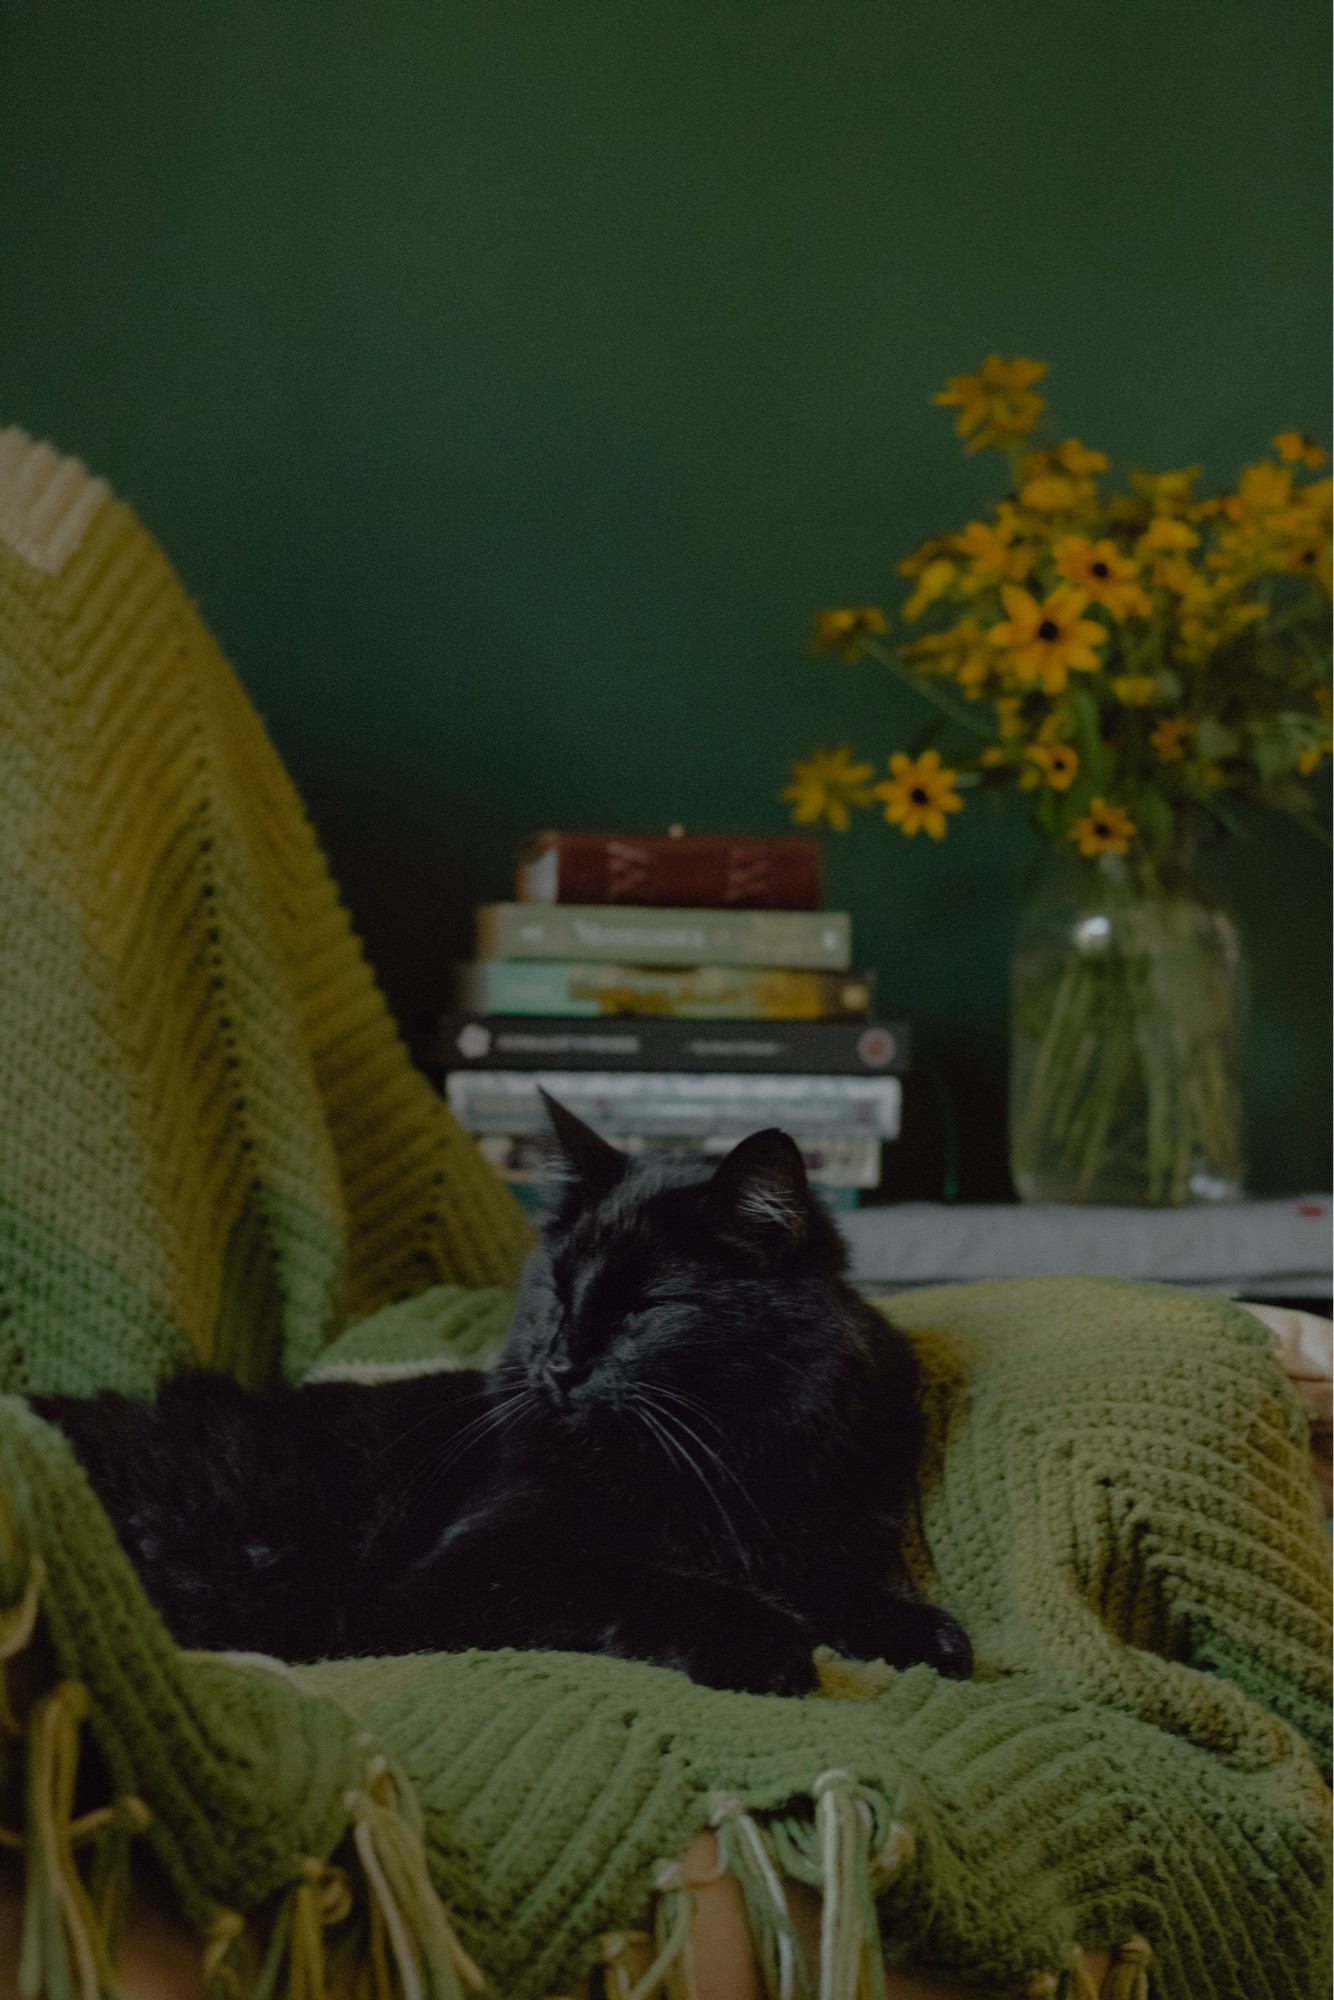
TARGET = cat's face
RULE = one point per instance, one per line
(672, 1311)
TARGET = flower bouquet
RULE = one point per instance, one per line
(1140, 664)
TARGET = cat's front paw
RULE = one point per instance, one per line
(767, 1655)
(950, 1649)
(906, 1632)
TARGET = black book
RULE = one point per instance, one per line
(656, 1042)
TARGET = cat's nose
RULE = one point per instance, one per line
(556, 1372)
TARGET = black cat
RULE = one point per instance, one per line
(697, 1448)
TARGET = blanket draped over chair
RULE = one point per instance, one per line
(213, 1148)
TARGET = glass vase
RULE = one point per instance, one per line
(1128, 1009)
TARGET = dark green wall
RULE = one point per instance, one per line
(509, 379)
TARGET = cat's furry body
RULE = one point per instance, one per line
(697, 1448)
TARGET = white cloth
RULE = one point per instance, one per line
(1260, 1247)
(1303, 1344)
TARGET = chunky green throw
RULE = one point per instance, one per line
(212, 1145)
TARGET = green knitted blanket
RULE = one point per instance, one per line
(213, 1146)
(1117, 1505)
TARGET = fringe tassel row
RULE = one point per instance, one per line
(73, 1919)
(742, 1850)
(405, 1949)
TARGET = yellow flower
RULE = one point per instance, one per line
(1176, 573)
(1077, 458)
(1051, 482)
(1135, 690)
(919, 794)
(1310, 556)
(843, 631)
(1166, 492)
(934, 581)
(1165, 536)
(1044, 642)
(962, 654)
(1260, 490)
(1309, 760)
(936, 545)
(1009, 715)
(997, 405)
(1104, 829)
(1171, 736)
(993, 553)
(1104, 575)
(1052, 493)
(1292, 446)
(826, 786)
(1057, 762)
(1211, 622)
(1324, 703)
(1056, 727)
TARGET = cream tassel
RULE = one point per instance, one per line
(742, 1849)
(64, 1951)
(1127, 1977)
(17, 1624)
(851, 1965)
(1078, 1980)
(414, 1920)
(226, 1941)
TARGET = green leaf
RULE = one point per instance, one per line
(1097, 761)
(931, 730)
(1213, 739)
(932, 691)
(1153, 816)
(1316, 829)
(1047, 813)
(1288, 796)
(1278, 742)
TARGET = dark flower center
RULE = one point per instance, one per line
(1101, 828)
(1308, 555)
(1099, 569)
(919, 797)
(1049, 630)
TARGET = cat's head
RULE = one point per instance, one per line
(671, 1306)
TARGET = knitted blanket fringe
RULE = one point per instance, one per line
(396, 1942)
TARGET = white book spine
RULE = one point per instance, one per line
(658, 1102)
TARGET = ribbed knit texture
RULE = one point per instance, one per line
(1116, 1491)
(1117, 1502)
(212, 1143)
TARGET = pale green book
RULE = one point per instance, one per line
(697, 993)
(818, 939)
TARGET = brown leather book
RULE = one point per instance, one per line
(691, 871)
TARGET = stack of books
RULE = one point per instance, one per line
(676, 992)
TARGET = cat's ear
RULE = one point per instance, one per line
(759, 1194)
(591, 1160)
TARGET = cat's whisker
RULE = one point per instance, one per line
(670, 1416)
(400, 1438)
(418, 1487)
(426, 1476)
(688, 1459)
(675, 1453)
(691, 1403)
(498, 1417)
